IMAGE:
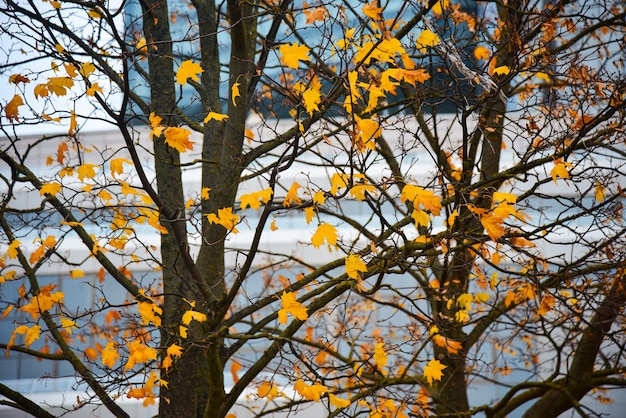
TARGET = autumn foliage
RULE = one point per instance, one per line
(363, 207)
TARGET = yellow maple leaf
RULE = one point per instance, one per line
(502, 70)
(292, 54)
(338, 181)
(12, 249)
(86, 171)
(178, 138)
(226, 218)
(77, 274)
(310, 392)
(292, 195)
(546, 305)
(94, 14)
(440, 6)
(43, 301)
(600, 192)
(86, 69)
(172, 350)
(59, 85)
(421, 218)
(560, 169)
(204, 193)
(255, 199)
(149, 312)
(234, 93)
(267, 390)
(50, 188)
(433, 371)
(493, 226)
(215, 116)
(372, 10)
(319, 198)
(338, 402)
(292, 307)
(155, 125)
(542, 76)
(175, 350)
(452, 346)
(380, 356)
(188, 69)
(41, 90)
(354, 265)
(139, 353)
(325, 232)
(109, 354)
(309, 213)
(191, 315)
(93, 89)
(311, 98)
(31, 334)
(11, 109)
(366, 131)
(421, 197)
(359, 190)
(117, 165)
(68, 325)
(426, 39)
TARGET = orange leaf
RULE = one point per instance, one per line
(481, 53)
(73, 124)
(319, 14)
(234, 368)
(18, 78)
(600, 192)
(11, 108)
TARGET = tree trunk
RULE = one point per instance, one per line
(580, 373)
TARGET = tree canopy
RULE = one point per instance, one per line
(365, 206)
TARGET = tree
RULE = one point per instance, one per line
(457, 168)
